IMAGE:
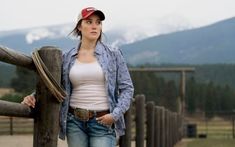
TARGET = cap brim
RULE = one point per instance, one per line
(100, 14)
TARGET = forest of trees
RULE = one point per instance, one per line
(23, 82)
(203, 94)
(200, 97)
(209, 97)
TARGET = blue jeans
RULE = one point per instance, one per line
(89, 133)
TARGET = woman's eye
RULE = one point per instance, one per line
(96, 22)
(88, 22)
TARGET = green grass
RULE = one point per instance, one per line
(215, 128)
(216, 131)
(212, 143)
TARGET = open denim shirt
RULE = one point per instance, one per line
(117, 81)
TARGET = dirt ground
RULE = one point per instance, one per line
(22, 141)
(27, 141)
(183, 143)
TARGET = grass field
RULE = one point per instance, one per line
(211, 143)
(215, 128)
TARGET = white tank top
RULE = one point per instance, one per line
(88, 86)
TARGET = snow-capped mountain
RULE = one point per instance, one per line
(26, 40)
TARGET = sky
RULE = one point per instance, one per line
(20, 14)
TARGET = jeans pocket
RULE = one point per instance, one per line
(107, 128)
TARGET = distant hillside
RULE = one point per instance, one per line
(29, 39)
(206, 45)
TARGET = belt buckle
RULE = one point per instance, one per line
(82, 114)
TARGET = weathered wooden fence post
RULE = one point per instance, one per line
(11, 126)
(140, 120)
(125, 141)
(46, 121)
(150, 124)
(162, 128)
(176, 130)
(166, 128)
(233, 122)
(171, 129)
(157, 129)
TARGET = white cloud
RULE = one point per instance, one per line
(38, 34)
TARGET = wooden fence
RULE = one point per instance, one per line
(15, 125)
(154, 126)
(147, 125)
(46, 112)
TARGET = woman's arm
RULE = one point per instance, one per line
(124, 86)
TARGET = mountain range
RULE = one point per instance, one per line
(210, 44)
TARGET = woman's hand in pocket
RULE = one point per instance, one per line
(106, 119)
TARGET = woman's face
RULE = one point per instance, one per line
(91, 28)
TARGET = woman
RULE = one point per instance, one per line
(99, 88)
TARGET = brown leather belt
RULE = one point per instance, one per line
(85, 115)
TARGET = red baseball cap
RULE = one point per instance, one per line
(86, 12)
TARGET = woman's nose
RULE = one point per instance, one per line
(94, 26)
